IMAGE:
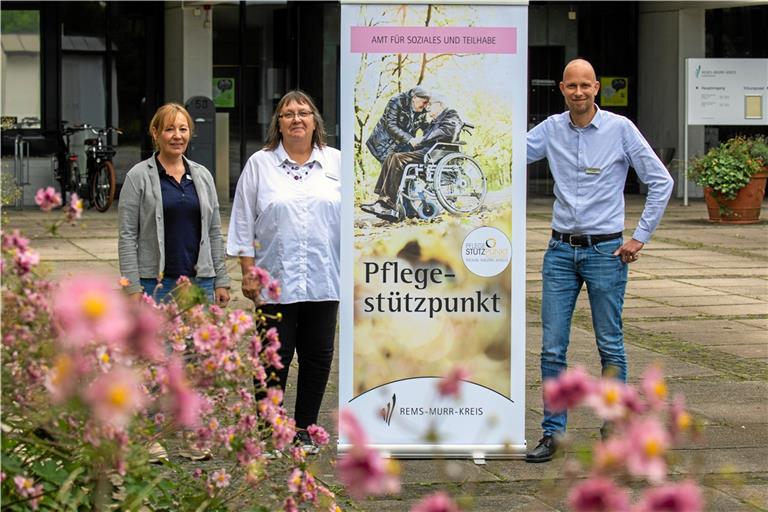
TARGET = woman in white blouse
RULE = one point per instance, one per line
(285, 219)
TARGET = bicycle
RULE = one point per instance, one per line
(99, 185)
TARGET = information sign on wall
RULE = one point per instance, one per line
(614, 91)
(727, 91)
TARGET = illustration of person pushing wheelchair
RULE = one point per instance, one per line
(433, 176)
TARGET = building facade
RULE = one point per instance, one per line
(115, 62)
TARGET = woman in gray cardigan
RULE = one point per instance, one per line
(169, 217)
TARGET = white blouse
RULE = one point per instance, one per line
(291, 226)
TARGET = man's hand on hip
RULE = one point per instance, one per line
(629, 251)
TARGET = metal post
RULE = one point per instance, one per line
(685, 138)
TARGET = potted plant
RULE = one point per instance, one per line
(734, 175)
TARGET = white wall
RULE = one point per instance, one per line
(188, 52)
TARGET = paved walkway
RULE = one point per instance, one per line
(697, 303)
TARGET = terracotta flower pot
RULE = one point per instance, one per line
(744, 208)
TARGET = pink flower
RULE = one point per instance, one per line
(273, 289)
(206, 337)
(610, 455)
(240, 321)
(47, 198)
(283, 430)
(568, 390)
(15, 241)
(89, 309)
(647, 441)
(220, 478)
(681, 497)
(290, 505)
(598, 495)
(437, 502)
(62, 378)
(272, 336)
(75, 208)
(185, 402)
(146, 328)
(27, 489)
(608, 399)
(261, 275)
(272, 358)
(654, 388)
(362, 470)
(115, 396)
(318, 435)
(450, 384)
(679, 418)
(25, 260)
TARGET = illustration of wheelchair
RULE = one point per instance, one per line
(447, 180)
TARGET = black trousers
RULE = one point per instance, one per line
(308, 329)
(388, 184)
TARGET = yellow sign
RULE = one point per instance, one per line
(614, 91)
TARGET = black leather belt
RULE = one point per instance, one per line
(583, 240)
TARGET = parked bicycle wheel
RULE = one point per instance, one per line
(459, 184)
(103, 186)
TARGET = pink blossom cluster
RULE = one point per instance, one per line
(74, 209)
(362, 469)
(645, 425)
(265, 282)
(17, 247)
(26, 488)
(108, 375)
(47, 199)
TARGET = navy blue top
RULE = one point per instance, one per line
(181, 219)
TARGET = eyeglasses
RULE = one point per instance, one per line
(290, 116)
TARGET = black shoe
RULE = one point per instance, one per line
(544, 451)
(380, 210)
(304, 440)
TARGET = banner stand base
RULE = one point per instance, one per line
(478, 453)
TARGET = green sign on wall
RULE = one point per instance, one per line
(224, 92)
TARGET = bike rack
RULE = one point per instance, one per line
(20, 165)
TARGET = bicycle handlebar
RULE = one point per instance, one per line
(94, 129)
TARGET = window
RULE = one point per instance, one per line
(21, 93)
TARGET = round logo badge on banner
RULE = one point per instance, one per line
(486, 251)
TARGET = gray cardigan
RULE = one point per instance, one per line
(141, 246)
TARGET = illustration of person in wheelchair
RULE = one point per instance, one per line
(435, 176)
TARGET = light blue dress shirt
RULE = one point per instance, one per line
(590, 167)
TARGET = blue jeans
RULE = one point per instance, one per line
(564, 271)
(168, 284)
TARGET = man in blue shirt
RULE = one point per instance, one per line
(589, 152)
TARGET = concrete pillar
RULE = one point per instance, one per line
(667, 36)
(222, 157)
(188, 51)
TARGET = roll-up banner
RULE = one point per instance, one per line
(433, 123)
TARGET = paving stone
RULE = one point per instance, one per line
(710, 300)
(759, 351)
(659, 311)
(720, 461)
(100, 248)
(55, 249)
(732, 310)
